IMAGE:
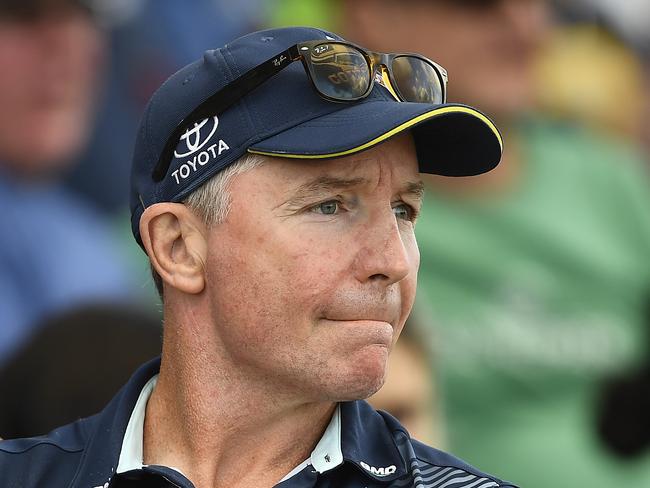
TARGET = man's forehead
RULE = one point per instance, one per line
(394, 162)
(327, 182)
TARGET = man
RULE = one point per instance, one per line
(276, 203)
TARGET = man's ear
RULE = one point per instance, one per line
(175, 240)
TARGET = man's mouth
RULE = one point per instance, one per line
(372, 331)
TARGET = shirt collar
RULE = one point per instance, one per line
(325, 456)
(356, 434)
(108, 428)
(131, 454)
(368, 441)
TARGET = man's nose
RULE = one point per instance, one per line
(382, 256)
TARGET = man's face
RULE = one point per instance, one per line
(313, 273)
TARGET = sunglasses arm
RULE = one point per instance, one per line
(242, 86)
(223, 99)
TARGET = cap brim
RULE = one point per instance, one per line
(450, 139)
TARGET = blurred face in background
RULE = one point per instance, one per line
(488, 46)
(49, 61)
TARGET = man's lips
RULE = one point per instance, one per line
(361, 321)
(372, 331)
(387, 314)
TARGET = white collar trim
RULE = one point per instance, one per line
(295, 470)
(131, 455)
(327, 454)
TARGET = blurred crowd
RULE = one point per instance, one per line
(528, 353)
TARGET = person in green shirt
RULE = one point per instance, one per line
(533, 282)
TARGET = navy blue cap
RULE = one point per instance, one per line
(286, 117)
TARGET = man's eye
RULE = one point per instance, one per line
(330, 207)
(404, 211)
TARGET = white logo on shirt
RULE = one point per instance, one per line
(384, 471)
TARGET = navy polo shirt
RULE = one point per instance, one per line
(375, 452)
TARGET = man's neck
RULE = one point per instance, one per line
(220, 431)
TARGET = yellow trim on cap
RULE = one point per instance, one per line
(390, 133)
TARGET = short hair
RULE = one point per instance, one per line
(211, 201)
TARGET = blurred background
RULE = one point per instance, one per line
(528, 353)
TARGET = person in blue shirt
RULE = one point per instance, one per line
(275, 188)
(55, 251)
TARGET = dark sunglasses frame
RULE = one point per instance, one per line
(220, 101)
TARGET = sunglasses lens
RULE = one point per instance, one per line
(417, 80)
(339, 71)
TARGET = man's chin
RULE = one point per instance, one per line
(363, 378)
(361, 392)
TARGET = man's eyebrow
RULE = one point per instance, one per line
(415, 188)
(325, 182)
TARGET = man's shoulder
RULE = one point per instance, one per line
(48, 460)
(84, 453)
(429, 467)
(436, 466)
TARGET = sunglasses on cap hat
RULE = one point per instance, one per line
(339, 71)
